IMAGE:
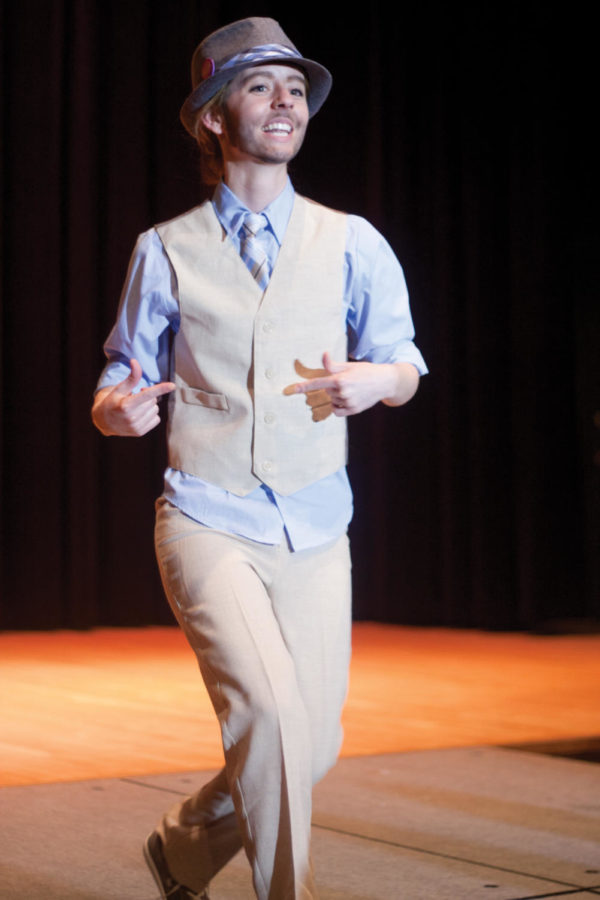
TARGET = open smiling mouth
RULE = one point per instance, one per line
(283, 128)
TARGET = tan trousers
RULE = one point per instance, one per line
(271, 631)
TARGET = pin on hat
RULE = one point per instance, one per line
(249, 42)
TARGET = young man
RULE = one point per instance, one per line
(245, 311)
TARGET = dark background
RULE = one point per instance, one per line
(464, 134)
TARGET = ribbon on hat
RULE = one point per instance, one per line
(256, 54)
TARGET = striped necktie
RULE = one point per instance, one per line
(251, 249)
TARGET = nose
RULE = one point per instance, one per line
(283, 98)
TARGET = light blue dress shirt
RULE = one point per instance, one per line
(380, 329)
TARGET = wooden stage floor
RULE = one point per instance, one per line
(110, 703)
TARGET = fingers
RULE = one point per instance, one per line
(325, 390)
(138, 425)
(326, 382)
(350, 387)
(339, 408)
(126, 387)
(151, 393)
(317, 379)
(140, 411)
(123, 392)
(138, 414)
(121, 412)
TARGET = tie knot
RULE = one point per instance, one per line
(255, 222)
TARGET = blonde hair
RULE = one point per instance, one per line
(211, 157)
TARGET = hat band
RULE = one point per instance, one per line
(258, 54)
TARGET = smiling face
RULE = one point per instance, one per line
(264, 116)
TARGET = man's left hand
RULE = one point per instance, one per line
(352, 387)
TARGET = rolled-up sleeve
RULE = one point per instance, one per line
(148, 312)
(380, 326)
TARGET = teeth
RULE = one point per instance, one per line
(278, 127)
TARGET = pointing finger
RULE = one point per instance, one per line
(147, 395)
(327, 382)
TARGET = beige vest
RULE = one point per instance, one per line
(229, 421)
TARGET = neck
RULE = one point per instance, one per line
(255, 185)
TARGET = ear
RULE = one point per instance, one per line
(213, 120)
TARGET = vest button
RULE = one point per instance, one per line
(269, 418)
(267, 465)
(269, 373)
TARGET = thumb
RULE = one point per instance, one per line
(331, 366)
(126, 386)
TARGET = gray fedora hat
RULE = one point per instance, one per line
(249, 42)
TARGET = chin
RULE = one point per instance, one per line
(281, 154)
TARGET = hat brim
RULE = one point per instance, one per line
(319, 79)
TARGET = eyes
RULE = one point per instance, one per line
(264, 88)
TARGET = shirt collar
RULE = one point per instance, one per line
(230, 210)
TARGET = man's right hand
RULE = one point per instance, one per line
(118, 411)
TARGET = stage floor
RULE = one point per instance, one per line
(453, 824)
(114, 703)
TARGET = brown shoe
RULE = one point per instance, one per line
(169, 888)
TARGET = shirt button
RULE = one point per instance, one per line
(269, 418)
(267, 465)
(269, 373)
(267, 327)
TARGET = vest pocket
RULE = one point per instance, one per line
(204, 398)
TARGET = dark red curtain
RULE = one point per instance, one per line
(464, 134)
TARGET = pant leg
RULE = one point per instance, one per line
(312, 604)
(201, 834)
(224, 591)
